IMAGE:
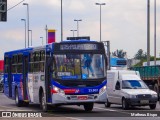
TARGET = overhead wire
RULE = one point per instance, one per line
(15, 5)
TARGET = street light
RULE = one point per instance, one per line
(25, 29)
(148, 33)
(28, 19)
(73, 32)
(61, 22)
(31, 36)
(42, 40)
(155, 47)
(100, 4)
(77, 26)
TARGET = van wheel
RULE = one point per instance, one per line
(18, 102)
(156, 89)
(107, 104)
(125, 105)
(43, 103)
(153, 106)
(88, 106)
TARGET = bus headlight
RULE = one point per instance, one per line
(102, 89)
(57, 90)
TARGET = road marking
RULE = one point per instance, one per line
(63, 116)
(13, 109)
(104, 109)
(73, 118)
(8, 107)
(111, 110)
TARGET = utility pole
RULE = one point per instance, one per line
(155, 29)
(46, 34)
(148, 33)
(61, 21)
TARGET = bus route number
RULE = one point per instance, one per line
(92, 90)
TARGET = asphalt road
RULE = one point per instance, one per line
(77, 112)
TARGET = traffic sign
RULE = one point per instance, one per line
(3, 10)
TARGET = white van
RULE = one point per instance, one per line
(125, 87)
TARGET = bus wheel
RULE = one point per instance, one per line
(43, 103)
(17, 101)
(26, 104)
(88, 106)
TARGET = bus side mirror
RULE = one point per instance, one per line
(106, 64)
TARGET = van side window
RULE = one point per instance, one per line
(117, 87)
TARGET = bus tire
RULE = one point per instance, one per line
(43, 104)
(18, 102)
(156, 89)
(88, 106)
(26, 104)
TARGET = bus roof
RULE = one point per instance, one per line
(18, 51)
(78, 41)
(45, 46)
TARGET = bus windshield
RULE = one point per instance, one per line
(79, 66)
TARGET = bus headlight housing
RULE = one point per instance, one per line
(57, 90)
(102, 89)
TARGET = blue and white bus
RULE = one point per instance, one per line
(65, 73)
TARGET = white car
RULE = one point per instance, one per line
(125, 87)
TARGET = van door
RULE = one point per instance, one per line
(117, 93)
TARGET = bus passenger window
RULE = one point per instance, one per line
(41, 66)
(42, 56)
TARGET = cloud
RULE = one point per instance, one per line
(124, 22)
(77, 6)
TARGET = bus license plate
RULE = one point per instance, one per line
(144, 101)
(82, 97)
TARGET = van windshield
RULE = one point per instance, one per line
(133, 84)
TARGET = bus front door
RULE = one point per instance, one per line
(48, 78)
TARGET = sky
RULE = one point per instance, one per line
(124, 23)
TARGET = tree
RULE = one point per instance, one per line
(140, 55)
(119, 53)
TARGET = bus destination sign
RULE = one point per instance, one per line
(78, 47)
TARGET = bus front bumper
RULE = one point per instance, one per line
(78, 99)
